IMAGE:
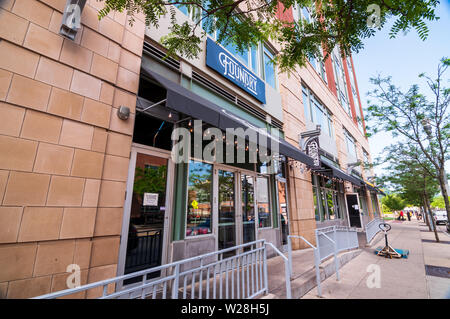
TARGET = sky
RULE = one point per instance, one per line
(403, 58)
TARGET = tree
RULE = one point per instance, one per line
(411, 115)
(249, 22)
(408, 172)
(394, 202)
(438, 202)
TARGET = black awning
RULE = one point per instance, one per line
(379, 191)
(185, 101)
(337, 173)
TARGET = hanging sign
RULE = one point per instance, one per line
(150, 199)
(312, 149)
(71, 21)
(230, 68)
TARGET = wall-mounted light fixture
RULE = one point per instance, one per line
(123, 112)
(71, 21)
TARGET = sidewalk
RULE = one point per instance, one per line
(399, 278)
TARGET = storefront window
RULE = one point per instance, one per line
(263, 195)
(198, 220)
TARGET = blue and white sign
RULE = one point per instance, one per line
(223, 62)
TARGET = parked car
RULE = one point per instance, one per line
(440, 216)
(448, 226)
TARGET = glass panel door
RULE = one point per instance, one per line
(248, 208)
(283, 209)
(145, 234)
(227, 209)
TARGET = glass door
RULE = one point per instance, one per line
(283, 209)
(248, 208)
(226, 209)
(146, 211)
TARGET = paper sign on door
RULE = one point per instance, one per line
(150, 199)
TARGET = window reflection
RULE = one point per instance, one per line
(264, 211)
(199, 199)
(248, 208)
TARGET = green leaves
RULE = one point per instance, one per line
(246, 22)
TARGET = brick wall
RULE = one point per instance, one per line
(64, 153)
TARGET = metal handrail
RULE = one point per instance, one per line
(286, 270)
(175, 276)
(316, 259)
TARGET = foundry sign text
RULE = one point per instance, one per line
(224, 63)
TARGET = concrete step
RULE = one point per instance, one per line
(302, 283)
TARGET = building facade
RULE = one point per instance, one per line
(87, 126)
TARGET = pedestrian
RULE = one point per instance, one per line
(409, 216)
(402, 217)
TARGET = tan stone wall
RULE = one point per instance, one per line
(300, 188)
(64, 153)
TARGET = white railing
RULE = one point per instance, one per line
(210, 276)
(330, 241)
(372, 228)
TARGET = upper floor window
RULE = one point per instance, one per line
(366, 163)
(257, 57)
(341, 83)
(351, 144)
(316, 112)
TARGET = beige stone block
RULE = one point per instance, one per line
(99, 140)
(104, 68)
(112, 194)
(82, 255)
(12, 27)
(132, 43)
(28, 288)
(11, 118)
(137, 28)
(111, 29)
(56, 4)
(118, 144)
(29, 93)
(86, 85)
(54, 73)
(53, 159)
(76, 134)
(59, 282)
(87, 164)
(98, 274)
(95, 42)
(10, 218)
(130, 61)
(26, 189)
(7, 4)
(78, 223)
(114, 51)
(107, 93)
(65, 104)
(17, 154)
(96, 113)
(34, 11)
(127, 80)
(116, 168)
(41, 126)
(3, 181)
(108, 221)
(76, 55)
(17, 59)
(53, 257)
(5, 82)
(40, 223)
(17, 261)
(105, 251)
(43, 41)
(89, 17)
(55, 22)
(65, 191)
(91, 193)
